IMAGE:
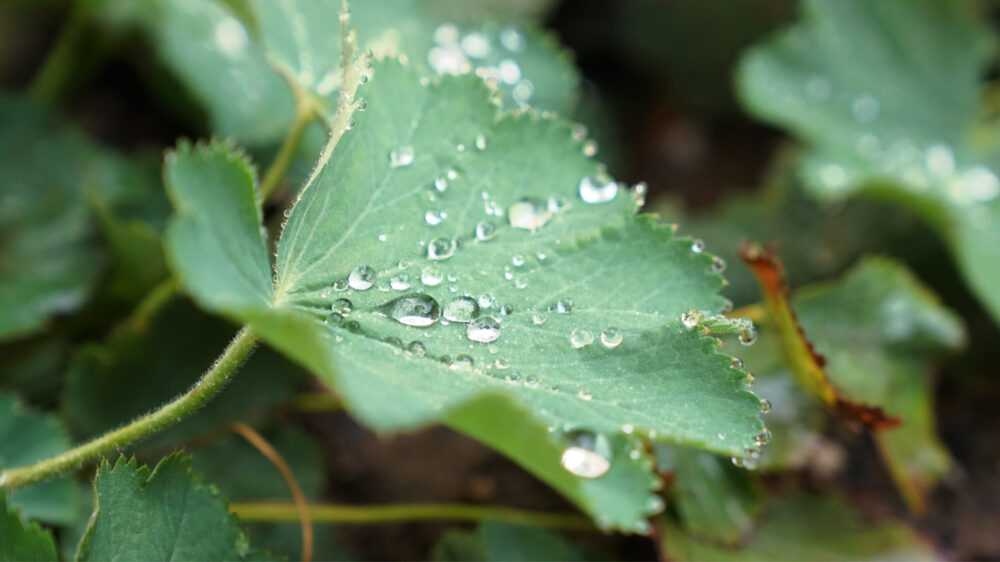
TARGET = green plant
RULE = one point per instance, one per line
(434, 242)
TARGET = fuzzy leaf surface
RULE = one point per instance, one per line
(863, 84)
(169, 513)
(20, 540)
(612, 269)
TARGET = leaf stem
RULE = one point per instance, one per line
(154, 300)
(55, 71)
(304, 113)
(200, 394)
(392, 513)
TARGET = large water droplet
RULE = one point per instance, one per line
(362, 278)
(528, 215)
(400, 157)
(484, 329)
(461, 309)
(598, 189)
(441, 248)
(415, 309)
(588, 456)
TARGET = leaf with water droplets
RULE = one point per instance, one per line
(862, 84)
(401, 360)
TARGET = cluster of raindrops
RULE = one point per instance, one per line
(492, 55)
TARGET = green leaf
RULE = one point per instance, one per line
(22, 541)
(861, 83)
(807, 527)
(141, 367)
(167, 514)
(50, 260)
(495, 540)
(879, 329)
(361, 212)
(25, 438)
(714, 499)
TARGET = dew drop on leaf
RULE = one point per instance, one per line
(611, 337)
(765, 405)
(401, 157)
(486, 300)
(538, 319)
(485, 230)
(362, 278)
(598, 189)
(484, 329)
(691, 318)
(416, 309)
(528, 215)
(400, 282)
(697, 245)
(434, 218)
(340, 285)
(417, 348)
(461, 363)
(431, 276)
(342, 307)
(588, 454)
(748, 336)
(590, 148)
(580, 338)
(441, 248)
(461, 310)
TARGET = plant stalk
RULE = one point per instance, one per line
(392, 513)
(304, 113)
(181, 407)
(58, 67)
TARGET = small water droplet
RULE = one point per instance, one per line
(486, 300)
(342, 307)
(737, 363)
(434, 218)
(691, 318)
(431, 276)
(748, 336)
(517, 260)
(340, 285)
(531, 382)
(362, 278)
(462, 362)
(611, 337)
(415, 309)
(588, 454)
(718, 265)
(538, 319)
(480, 142)
(362, 104)
(764, 438)
(527, 214)
(580, 338)
(400, 282)
(654, 505)
(765, 405)
(401, 157)
(598, 189)
(441, 248)
(562, 306)
(585, 395)
(697, 245)
(417, 348)
(484, 329)
(485, 230)
(512, 40)
(461, 309)
(578, 132)
(590, 148)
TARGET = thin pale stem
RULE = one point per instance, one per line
(394, 513)
(181, 407)
(151, 304)
(58, 67)
(304, 113)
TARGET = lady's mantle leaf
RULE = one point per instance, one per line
(167, 514)
(887, 96)
(20, 540)
(440, 252)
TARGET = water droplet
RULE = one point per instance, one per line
(588, 454)
(485, 230)
(512, 40)
(528, 215)
(581, 338)
(431, 276)
(362, 278)
(598, 189)
(445, 33)
(231, 37)
(590, 148)
(342, 307)
(764, 438)
(585, 395)
(417, 348)
(765, 405)
(697, 245)
(611, 337)
(691, 318)
(654, 505)
(462, 362)
(476, 45)
(415, 309)
(522, 91)
(461, 309)
(718, 265)
(506, 310)
(563, 306)
(578, 132)
(448, 59)
(486, 300)
(340, 285)
(557, 204)
(484, 329)
(401, 157)
(400, 282)
(513, 378)
(480, 142)
(737, 363)
(517, 260)
(538, 319)
(531, 382)
(441, 248)
(748, 336)
(434, 218)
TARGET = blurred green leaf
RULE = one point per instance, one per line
(50, 259)
(713, 499)
(166, 514)
(879, 329)
(412, 239)
(22, 541)
(806, 527)
(27, 437)
(886, 94)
